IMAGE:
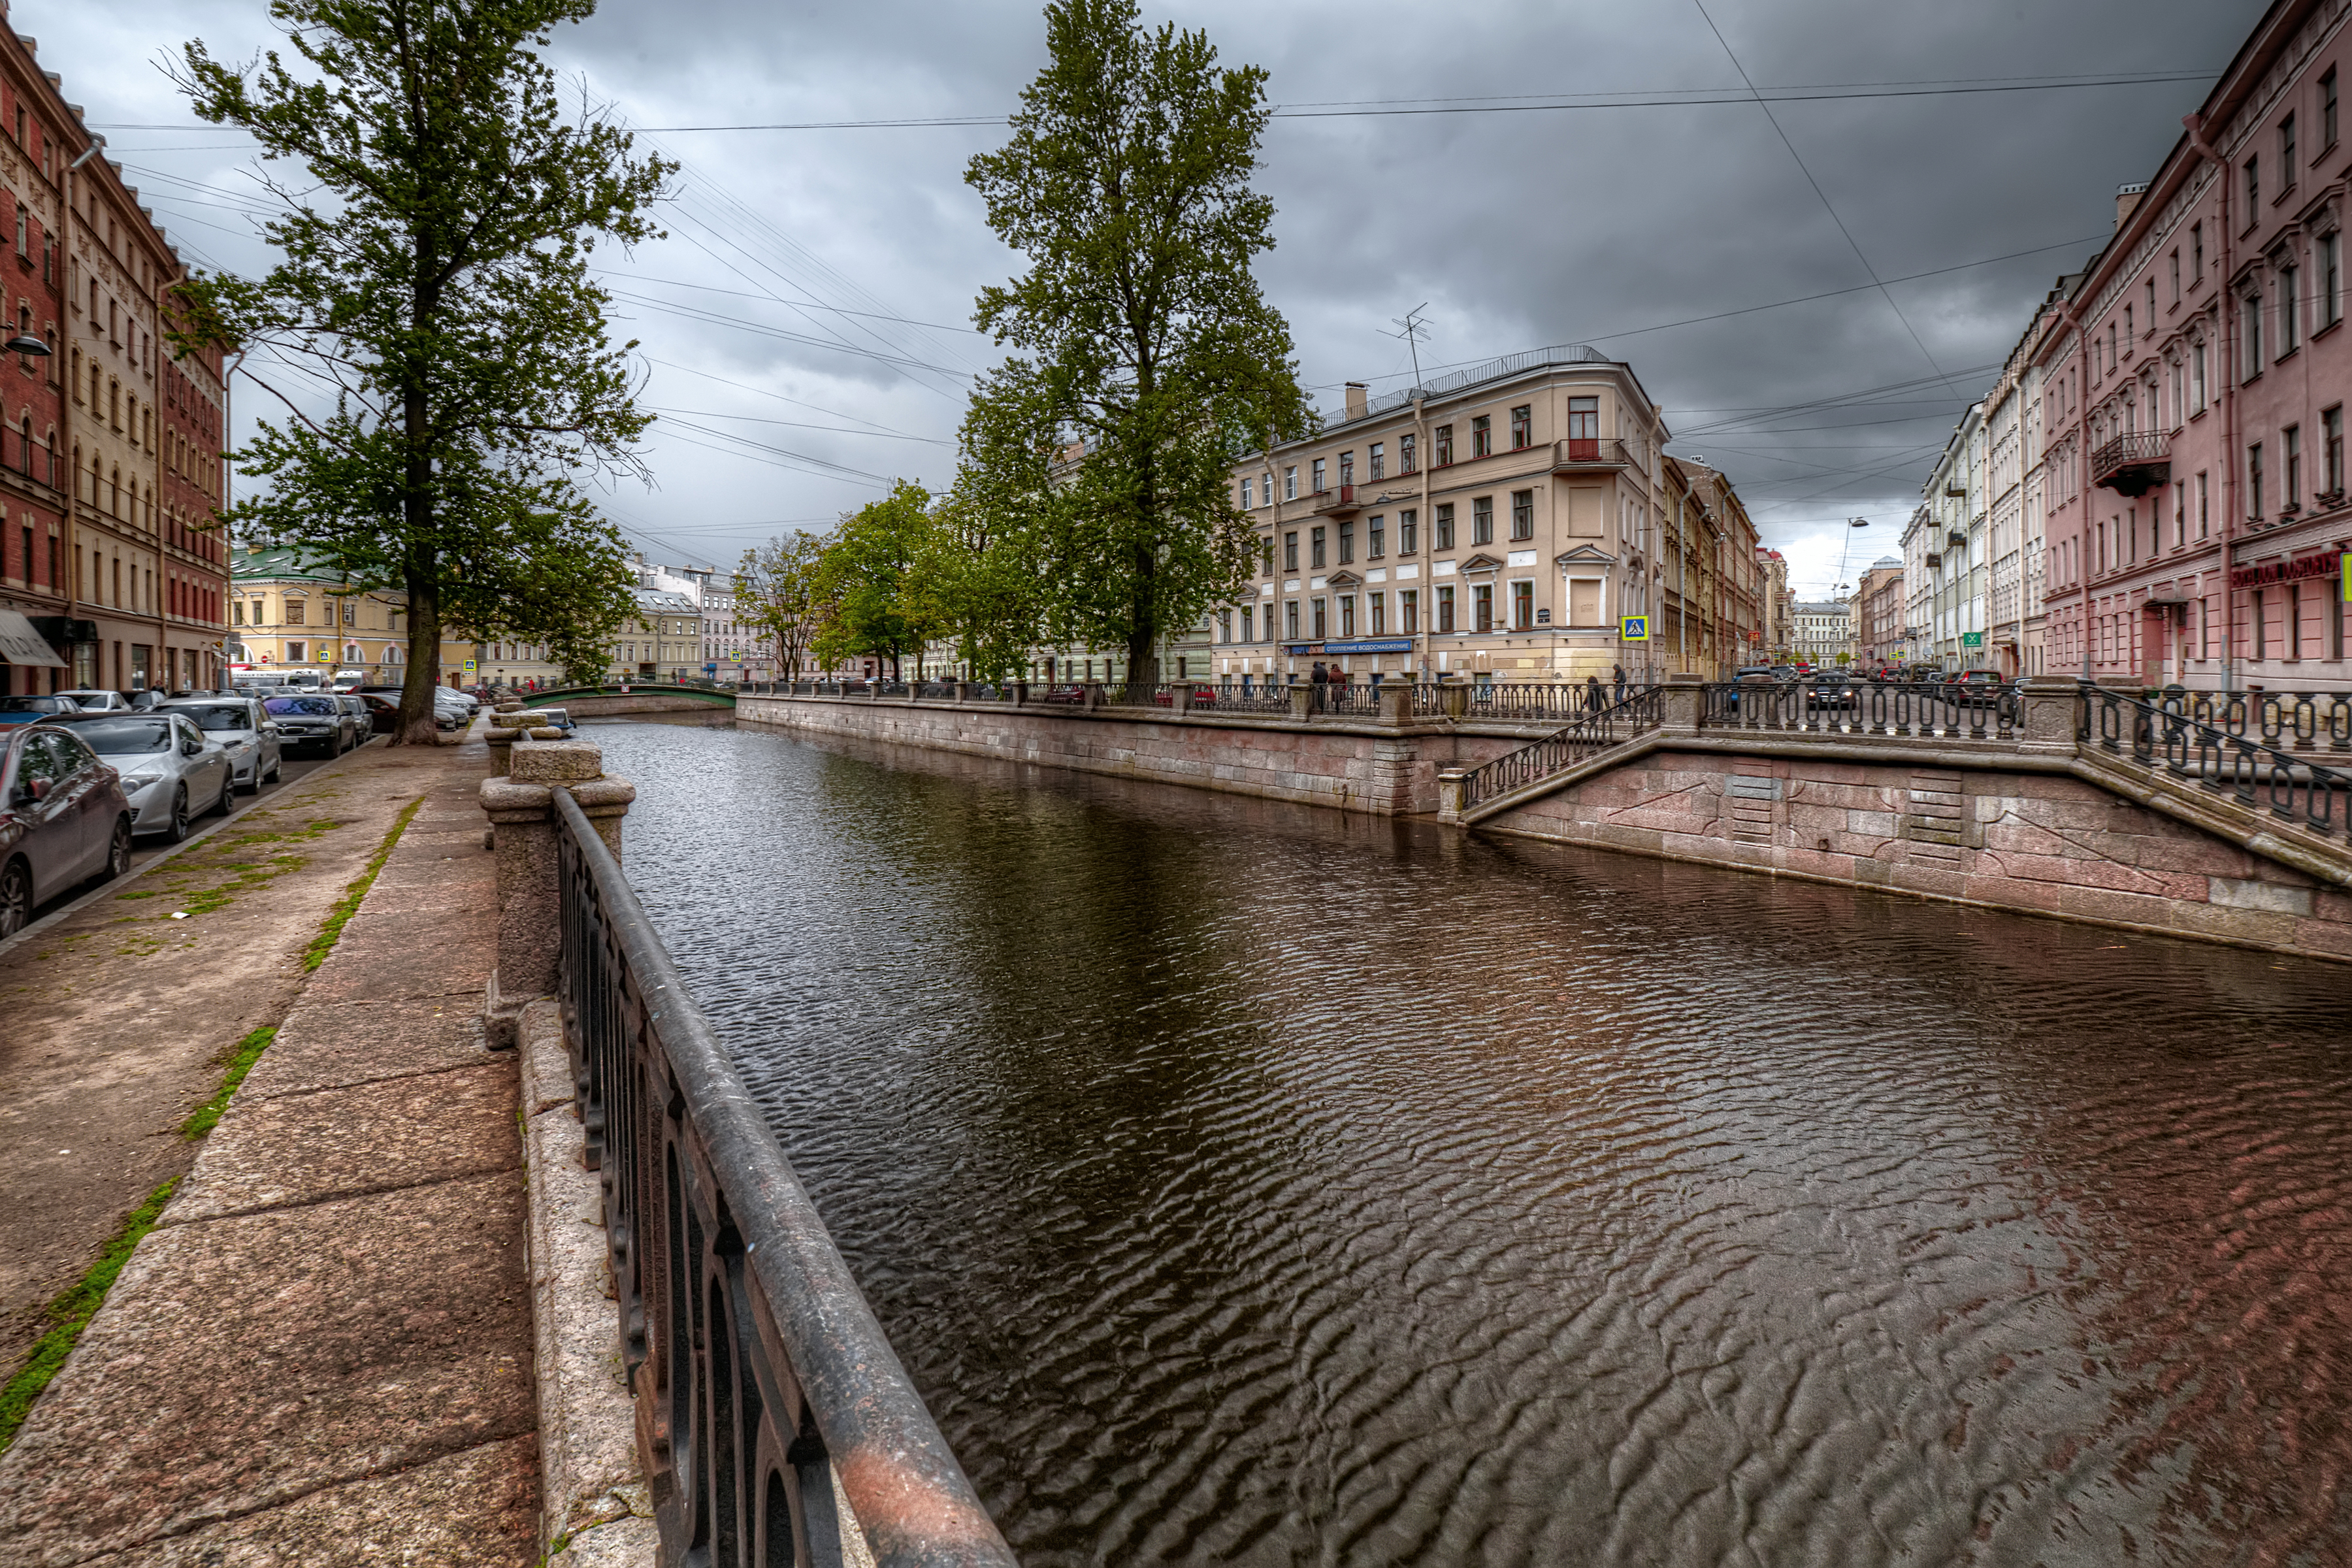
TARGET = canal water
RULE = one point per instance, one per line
(1246, 1184)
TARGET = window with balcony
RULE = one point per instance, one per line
(1379, 455)
(1444, 540)
(1408, 531)
(1523, 515)
(1523, 427)
(1290, 552)
(1482, 435)
(1376, 535)
(1583, 429)
(1443, 436)
(1405, 457)
(1315, 547)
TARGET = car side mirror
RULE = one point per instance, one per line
(191, 748)
(34, 790)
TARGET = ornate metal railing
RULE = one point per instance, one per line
(1589, 734)
(1351, 700)
(1258, 696)
(2257, 776)
(760, 1373)
(2305, 720)
(1929, 709)
(1518, 702)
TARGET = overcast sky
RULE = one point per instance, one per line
(1518, 228)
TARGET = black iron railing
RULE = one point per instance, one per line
(759, 1371)
(1929, 708)
(2166, 734)
(1588, 735)
(1518, 702)
(2304, 721)
(2132, 465)
(1256, 697)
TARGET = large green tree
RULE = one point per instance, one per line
(437, 346)
(1147, 359)
(863, 579)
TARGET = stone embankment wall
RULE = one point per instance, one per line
(2015, 835)
(1385, 769)
(637, 702)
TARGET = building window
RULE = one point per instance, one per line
(1380, 460)
(1523, 427)
(1482, 522)
(2289, 310)
(235, 606)
(2261, 638)
(2255, 480)
(2327, 109)
(2204, 513)
(1347, 544)
(2331, 279)
(1346, 469)
(1584, 601)
(1246, 494)
(1405, 457)
(294, 610)
(1315, 547)
(1290, 482)
(2179, 513)
(2196, 254)
(1523, 515)
(1445, 526)
(1379, 606)
(1523, 606)
(2197, 377)
(1290, 619)
(1249, 623)
(1290, 551)
(2293, 620)
(1322, 619)
(2331, 427)
(1446, 609)
(1482, 435)
(2175, 277)
(1408, 531)
(1444, 445)
(2254, 188)
(1347, 615)
(1376, 536)
(1409, 611)
(1482, 606)
(1319, 487)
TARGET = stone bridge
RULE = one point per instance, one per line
(603, 701)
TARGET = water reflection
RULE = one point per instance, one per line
(1244, 1184)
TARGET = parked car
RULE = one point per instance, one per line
(170, 772)
(95, 702)
(63, 819)
(33, 710)
(316, 721)
(363, 718)
(383, 712)
(256, 756)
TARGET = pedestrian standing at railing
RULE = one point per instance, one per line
(1595, 699)
(1617, 678)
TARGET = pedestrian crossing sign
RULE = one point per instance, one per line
(1633, 628)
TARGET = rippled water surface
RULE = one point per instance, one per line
(1245, 1185)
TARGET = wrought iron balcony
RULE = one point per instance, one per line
(1588, 455)
(1331, 503)
(2132, 465)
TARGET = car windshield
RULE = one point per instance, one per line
(127, 736)
(220, 716)
(314, 707)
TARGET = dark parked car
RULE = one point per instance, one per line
(320, 724)
(63, 818)
(383, 712)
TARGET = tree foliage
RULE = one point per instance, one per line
(864, 576)
(779, 592)
(433, 274)
(1147, 359)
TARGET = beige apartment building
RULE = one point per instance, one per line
(1505, 523)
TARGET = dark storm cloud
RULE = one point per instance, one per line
(1520, 229)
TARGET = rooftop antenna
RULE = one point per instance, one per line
(1411, 325)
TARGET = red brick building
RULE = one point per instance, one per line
(2193, 394)
(37, 138)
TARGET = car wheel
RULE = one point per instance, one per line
(118, 851)
(16, 898)
(277, 770)
(227, 802)
(177, 828)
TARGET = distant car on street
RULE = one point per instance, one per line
(314, 720)
(383, 712)
(95, 701)
(256, 756)
(170, 772)
(63, 818)
(33, 710)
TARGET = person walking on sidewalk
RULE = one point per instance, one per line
(1619, 677)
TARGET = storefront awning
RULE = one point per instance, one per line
(20, 644)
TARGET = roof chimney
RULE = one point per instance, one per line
(2126, 202)
(1358, 405)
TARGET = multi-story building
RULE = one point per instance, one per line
(39, 624)
(663, 641)
(2199, 505)
(193, 466)
(1879, 612)
(1825, 631)
(1500, 523)
(288, 614)
(1947, 550)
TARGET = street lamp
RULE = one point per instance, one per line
(28, 346)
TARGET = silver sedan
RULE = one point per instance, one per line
(171, 774)
(254, 753)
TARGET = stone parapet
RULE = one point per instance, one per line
(520, 807)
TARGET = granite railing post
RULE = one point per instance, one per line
(1184, 697)
(1302, 698)
(521, 809)
(1094, 695)
(1396, 702)
(1450, 782)
(1685, 704)
(1455, 694)
(2049, 712)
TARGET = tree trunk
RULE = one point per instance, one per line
(418, 726)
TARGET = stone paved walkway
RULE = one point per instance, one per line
(323, 1354)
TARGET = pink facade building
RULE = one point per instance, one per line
(2192, 394)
